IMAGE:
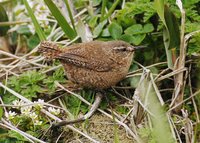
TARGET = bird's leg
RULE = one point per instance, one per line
(95, 105)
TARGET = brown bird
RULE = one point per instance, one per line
(95, 64)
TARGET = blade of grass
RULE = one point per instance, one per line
(104, 2)
(38, 29)
(159, 7)
(180, 80)
(116, 135)
(61, 19)
(4, 18)
(168, 30)
(111, 10)
(70, 13)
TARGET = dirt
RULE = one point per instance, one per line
(102, 129)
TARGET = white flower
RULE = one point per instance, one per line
(37, 122)
(26, 110)
(33, 115)
(54, 111)
(18, 103)
(39, 103)
(10, 115)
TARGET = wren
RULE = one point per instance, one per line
(94, 64)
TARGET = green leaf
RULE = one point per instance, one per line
(83, 31)
(33, 41)
(133, 39)
(105, 33)
(61, 19)
(160, 125)
(139, 29)
(38, 29)
(166, 40)
(70, 13)
(148, 28)
(115, 30)
(137, 39)
(93, 21)
(27, 84)
(149, 55)
(58, 75)
(173, 28)
(1, 112)
(16, 135)
(96, 2)
(134, 29)
(122, 109)
(171, 31)
(73, 104)
(125, 21)
(111, 10)
(104, 105)
(159, 7)
(126, 37)
(3, 18)
(98, 29)
(134, 81)
(103, 9)
(23, 29)
(171, 36)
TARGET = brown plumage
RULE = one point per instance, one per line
(94, 64)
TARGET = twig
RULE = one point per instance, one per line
(189, 134)
(175, 72)
(179, 86)
(30, 104)
(116, 92)
(59, 136)
(157, 64)
(174, 129)
(52, 69)
(156, 90)
(161, 73)
(19, 58)
(191, 92)
(195, 94)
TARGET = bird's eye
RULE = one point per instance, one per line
(121, 48)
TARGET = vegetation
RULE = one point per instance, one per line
(157, 102)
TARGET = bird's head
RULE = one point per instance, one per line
(122, 48)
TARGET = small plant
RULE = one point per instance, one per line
(31, 83)
(28, 117)
(27, 84)
(58, 76)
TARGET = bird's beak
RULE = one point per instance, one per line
(133, 48)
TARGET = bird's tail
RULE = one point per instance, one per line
(49, 50)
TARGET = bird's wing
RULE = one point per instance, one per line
(88, 62)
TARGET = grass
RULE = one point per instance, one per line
(34, 92)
